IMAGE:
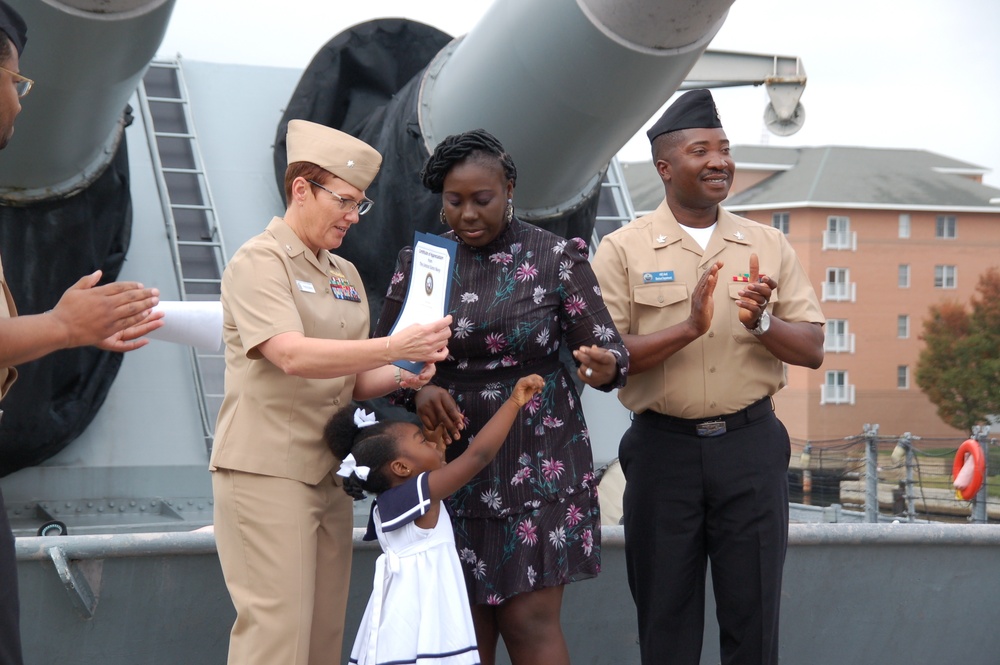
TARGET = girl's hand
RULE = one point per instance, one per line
(598, 367)
(436, 407)
(436, 436)
(526, 388)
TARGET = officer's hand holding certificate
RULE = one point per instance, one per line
(429, 290)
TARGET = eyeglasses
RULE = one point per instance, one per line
(347, 205)
(22, 84)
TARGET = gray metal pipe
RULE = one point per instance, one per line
(564, 84)
(86, 58)
(122, 545)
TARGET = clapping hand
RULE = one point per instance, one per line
(754, 298)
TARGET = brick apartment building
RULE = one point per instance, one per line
(883, 234)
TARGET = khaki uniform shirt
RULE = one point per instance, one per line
(271, 423)
(727, 368)
(7, 311)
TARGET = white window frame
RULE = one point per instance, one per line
(838, 234)
(903, 326)
(903, 276)
(946, 227)
(836, 388)
(781, 221)
(841, 289)
(945, 277)
(903, 377)
(839, 338)
(904, 225)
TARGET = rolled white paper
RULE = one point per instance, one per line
(195, 323)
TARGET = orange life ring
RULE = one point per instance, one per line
(969, 447)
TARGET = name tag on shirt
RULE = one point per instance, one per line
(661, 276)
(305, 287)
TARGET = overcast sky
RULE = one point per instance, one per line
(921, 74)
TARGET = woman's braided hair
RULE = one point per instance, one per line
(459, 147)
(373, 446)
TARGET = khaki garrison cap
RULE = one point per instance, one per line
(346, 157)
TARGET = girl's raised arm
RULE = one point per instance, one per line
(486, 443)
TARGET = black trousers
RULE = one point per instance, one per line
(690, 500)
(10, 625)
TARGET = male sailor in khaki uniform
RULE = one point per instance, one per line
(113, 317)
(296, 325)
(709, 305)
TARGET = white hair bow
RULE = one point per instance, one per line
(362, 419)
(350, 465)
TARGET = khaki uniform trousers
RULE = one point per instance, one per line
(285, 549)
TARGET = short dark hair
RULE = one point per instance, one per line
(666, 142)
(459, 147)
(306, 170)
(6, 47)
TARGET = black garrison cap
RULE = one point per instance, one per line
(695, 109)
(13, 26)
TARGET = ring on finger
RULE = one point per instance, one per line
(589, 372)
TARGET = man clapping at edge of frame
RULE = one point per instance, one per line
(113, 317)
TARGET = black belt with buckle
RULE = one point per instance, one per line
(708, 427)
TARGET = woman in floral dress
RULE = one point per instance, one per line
(529, 523)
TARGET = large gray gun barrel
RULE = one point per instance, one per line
(65, 200)
(86, 57)
(565, 84)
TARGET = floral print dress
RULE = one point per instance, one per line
(530, 519)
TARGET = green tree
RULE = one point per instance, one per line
(959, 368)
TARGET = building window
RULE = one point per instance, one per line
(838, 338)
(838, 234)
(838, 285)
(945, 277)
(836, 389)
(947, 227)
(903, 326)
(903, 377)
(904, 225)
(904, 275)
(779, 220)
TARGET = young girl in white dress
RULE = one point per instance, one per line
(419, 608)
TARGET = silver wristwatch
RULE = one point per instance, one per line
(763, 324)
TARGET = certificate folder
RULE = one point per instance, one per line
(429, 290)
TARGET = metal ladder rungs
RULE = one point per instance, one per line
(190, 206)
(167, 100)
(173, 135)
(166, 169)
(163, 111)
(614, 184)
(199, 243)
